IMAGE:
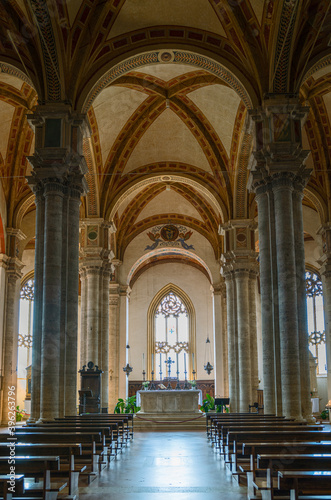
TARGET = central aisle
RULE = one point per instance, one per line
(166, 465)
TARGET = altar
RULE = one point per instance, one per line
(169, 401)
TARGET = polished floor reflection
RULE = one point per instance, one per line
(166, 465)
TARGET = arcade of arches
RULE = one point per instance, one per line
(165, 178)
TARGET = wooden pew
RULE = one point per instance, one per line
(105, 429)
(214, 417)
(36, 467)
(239, 419)
(66, 452)
(89, 457)
(224, 429)
(272, 463)
(314, 482)
(114, 438)
(283, 447)
(125, 422)
(6, 490)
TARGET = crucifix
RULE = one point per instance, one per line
(169, 362)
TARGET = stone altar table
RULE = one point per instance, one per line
(169, 401)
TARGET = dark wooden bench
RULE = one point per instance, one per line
(306, 484)
(88, 440)
(36, 467)
(272, 463)
(251, 450)
(66, 451)
(7, 489)
(125, 422)
(105, 429)
(214, 417)
(224, 429)
(110, 428)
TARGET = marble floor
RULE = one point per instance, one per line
(166, 466)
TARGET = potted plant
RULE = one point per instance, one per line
(19, 414)
(208, 404)
(126, 406)
(145, 384)
(193, 383)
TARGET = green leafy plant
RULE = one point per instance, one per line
(127, 405)
(325, 414)
(208, 404)
(193, 383)
(145, 384)
(19, 414)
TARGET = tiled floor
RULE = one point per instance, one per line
(166, 466)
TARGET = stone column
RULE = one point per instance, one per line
(325, 231)
(239, 262)
(10, 340)
(105, 336)
(51, 338)
(266, 303)
(37, 304)
(92, 314)
(244, 340)
(232, 341)
(306, 407)
(253, 334)
(83, 325)
(72, 300)
(220, 342)
(279, 167)
(95, 271)
(114, 341)
(3, 281)
(58, 171)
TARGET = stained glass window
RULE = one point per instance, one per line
(171, 338)
(316, 327)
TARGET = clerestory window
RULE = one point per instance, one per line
(316, 326)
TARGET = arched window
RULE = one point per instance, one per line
(25, 341)
(316, 327)
(172, 335)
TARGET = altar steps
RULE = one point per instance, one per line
(169, 422)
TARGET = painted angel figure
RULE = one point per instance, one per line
(182, 239)
(155, 238)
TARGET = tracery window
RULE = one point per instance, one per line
(25, 342)
(316, 326)
(171, 341)
(26, 314)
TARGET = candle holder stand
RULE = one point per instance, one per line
(152, 386)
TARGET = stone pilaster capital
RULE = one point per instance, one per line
(125, 290)
(325, 232)
(4, 259)
(14, 270)
(16, 233)
(219, 288)
(114, 300)
(116, 262)
(325, 263)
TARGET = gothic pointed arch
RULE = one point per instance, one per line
(187, 302)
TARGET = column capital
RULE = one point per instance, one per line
(125, 290)
(4, 259)
(14, 269)
(278, 139)
(219, 288)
